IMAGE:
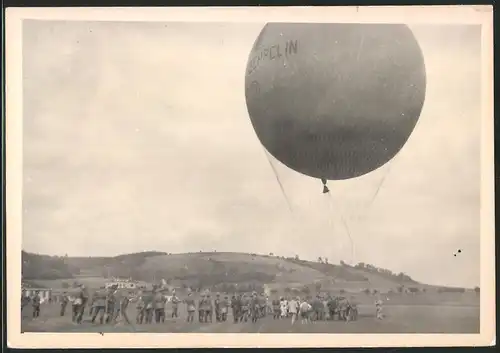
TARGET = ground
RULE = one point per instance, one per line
(398, 319)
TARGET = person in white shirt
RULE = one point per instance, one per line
(293, 308)
(378, 306)
(284, 308)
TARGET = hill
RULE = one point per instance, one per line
(225, 271)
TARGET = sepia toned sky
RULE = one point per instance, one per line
(137, 137)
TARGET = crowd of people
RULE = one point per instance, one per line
(109, 305)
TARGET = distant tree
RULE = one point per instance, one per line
(271, 254)
(326, 260)
(297, 257)
(320, 260)
(367, 291)
(342, 263)
(400, 289)
(360, 265)
(477, 290)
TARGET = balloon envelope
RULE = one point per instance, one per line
(334, 101)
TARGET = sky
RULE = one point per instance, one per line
(137, 137)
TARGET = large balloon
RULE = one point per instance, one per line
(335, 101)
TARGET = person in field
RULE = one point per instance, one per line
(305, 308)
(124, 303)
(217, 306)
(339, 309)
(76, 307)
(352, 311)
(112, 305)
(245, 308)
(140, 308)
(98, 303)
(224, 308)
(209, 309)
(175, 306)
(293, 308)
(276, 309)
(35, 302)
(149, 307)
(158, 305)
(205, 308)
(332, 307)
(190, 307)
(64, 303)
(236, 308)
(201, 309)
(283, 307)
(378, 307)
(324, 302)
(264, 304)
(317, 308)
(84, 296)
(254, 307)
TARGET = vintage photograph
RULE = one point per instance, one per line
(272, 177)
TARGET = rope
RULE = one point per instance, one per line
(379, 187)
(346, 226)
(278, 180)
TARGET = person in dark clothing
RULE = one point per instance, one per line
(99, 305)
(84, 298)
(110, 306)
(223, 309)
(64, 303)
(175, 306)
(191, 308)
(209, 309)
(201, 309)
(125, 300)
(234, 310)
(238, 309)
(141, 310)
(36, 301)
(158, 306)
(276, 309)
(254, 308)
(332, 307)
(217, 304)
(149, 310)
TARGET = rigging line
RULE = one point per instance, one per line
(279, 181)
(379, 187)
(346, 227)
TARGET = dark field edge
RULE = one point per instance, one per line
(173, 3)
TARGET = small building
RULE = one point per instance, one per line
(122, 285)
(126, 284)
(45, 293)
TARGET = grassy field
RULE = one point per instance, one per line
(398, 319)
